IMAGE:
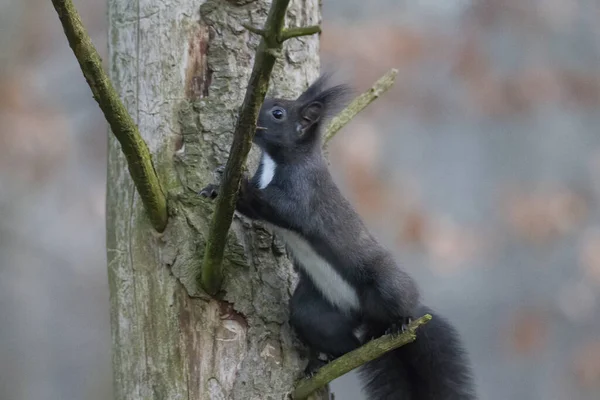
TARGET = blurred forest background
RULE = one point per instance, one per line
(480, 168)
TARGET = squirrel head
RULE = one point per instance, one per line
(288, 129)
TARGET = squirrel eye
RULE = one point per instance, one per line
(278, 113)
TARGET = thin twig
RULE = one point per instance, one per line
(122, 125)
(360, 103)
(297, 32)
(252, 29)
(349, 361)
(268, 49)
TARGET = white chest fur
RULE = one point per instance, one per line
(333, 287)
(267, 171)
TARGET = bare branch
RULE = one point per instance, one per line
(297, 32)
(354, 359)
(360, 103)
(252, 29)
(122, 125)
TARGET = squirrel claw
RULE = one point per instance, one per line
(315, 363)
(313, 367)
(400, 327)
(210, 192)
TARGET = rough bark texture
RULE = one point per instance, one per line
(180, 65)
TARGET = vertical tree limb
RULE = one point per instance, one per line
(269, 48)
(122, 125)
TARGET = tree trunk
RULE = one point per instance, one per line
(181, 67)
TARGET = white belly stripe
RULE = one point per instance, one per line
(324, 276)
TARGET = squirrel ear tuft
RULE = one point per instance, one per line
(316, 104)
(309, 115)
(314, 89)
(332, 99)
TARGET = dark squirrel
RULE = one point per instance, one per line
(350, 288)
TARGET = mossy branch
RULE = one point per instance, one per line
(122, 125)
(270, 46)
(287, 33)
(360, 103)
(349, 361)
(297, 32)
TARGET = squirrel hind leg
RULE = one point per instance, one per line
(319, 324)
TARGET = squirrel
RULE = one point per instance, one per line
(350, 288)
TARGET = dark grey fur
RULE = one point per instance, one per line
(302, 198)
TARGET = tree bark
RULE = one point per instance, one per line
(181, 67)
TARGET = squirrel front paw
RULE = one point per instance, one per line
(210, 191)
(399, 327)
(314, 365)
(315, 362)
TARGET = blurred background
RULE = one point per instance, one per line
(480, 168)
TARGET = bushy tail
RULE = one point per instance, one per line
(434, 367)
